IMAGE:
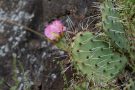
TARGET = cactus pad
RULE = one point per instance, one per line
(95, 58)
(112, 25)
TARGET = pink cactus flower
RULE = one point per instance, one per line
(54, 30)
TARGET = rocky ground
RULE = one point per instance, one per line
(27, 60)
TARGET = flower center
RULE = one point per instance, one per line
(55, 35)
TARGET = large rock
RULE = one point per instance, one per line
(20, 12)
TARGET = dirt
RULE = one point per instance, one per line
(36, 63)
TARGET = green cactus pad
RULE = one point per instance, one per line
(113, 26)
(95, 58)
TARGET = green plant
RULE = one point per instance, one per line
(24, 78)
(127, 13)
(96, 55)
(95, 58)
(112, 25)
(15, 86)
(101, 57)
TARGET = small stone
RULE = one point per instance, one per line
(53, 76)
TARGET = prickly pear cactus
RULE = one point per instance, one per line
(112, 25)
(95, 58)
